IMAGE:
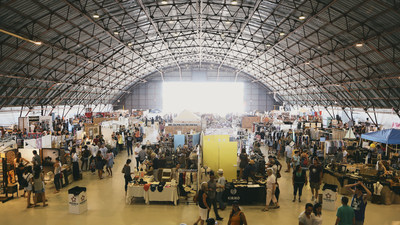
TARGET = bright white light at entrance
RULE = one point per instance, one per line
(207, 97)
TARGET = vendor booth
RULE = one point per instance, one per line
(186, 122)
(388, 137)
(220, 153)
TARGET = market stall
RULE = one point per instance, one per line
(152, 191)
(388, 137)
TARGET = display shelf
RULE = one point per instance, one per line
(5, 187)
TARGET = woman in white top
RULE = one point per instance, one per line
(317, 219)
(75, 164)
(271, 186)
(57, 175)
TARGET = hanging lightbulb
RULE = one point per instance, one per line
(234, 2)
(359, 45)
(96, 16)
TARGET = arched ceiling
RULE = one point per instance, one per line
(85, 59)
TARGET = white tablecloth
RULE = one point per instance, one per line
(169, 194)
(134, 191)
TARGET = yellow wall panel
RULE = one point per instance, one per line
(228, 159)
(210, 154)
(219, 153)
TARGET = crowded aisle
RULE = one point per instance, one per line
(200, 112)
(106, 204)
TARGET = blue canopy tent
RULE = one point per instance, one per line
(389, 137)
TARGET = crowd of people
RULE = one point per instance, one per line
(94, 155)
(31, 179)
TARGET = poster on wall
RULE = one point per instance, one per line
(30, 144)
(46, 141)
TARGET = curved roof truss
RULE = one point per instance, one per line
(343, 53)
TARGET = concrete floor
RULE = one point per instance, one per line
(106, 205)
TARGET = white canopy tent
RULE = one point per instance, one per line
(187, 116)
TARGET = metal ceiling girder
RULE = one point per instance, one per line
(299, 27)
(159, 33)
(244, 25)
(107, 31)
(200, 27)
(348, 47)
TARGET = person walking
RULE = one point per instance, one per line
(19, 166)
(136, 151)
(212, 192)
(299, 179)
(36, 160)
(315, 178)
(296, 159)
(99, 164)
(317, 210)
(120, 142)
(93, 149)
(220, 188)
(202, 200)
(110, 162)
(244, 160)
(126, 170)
(129, 144)
(85, 157)
(345, 214)
(28, 177)
(141, 131)
(142, 155)
(236, 217)
(137, 135)
(75, 164)
(38, 186)
(359, 201)
(155, 163)
(271, 187)
(57, 175)
(288, 154)
(306, 217)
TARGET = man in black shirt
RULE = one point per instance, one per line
(129, 143)
(156, 165)
(315, 178)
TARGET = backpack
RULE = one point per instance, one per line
(24, 183)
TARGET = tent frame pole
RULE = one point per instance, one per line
(386, 149)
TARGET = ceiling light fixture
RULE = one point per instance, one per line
(302, 17)
(307, 63)
(359, 45)
(130, 44)
(96, 16)
(234, 2)
(268, 45)
(164, 2)
(116, 32)
(282, 33)
(20, 37)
